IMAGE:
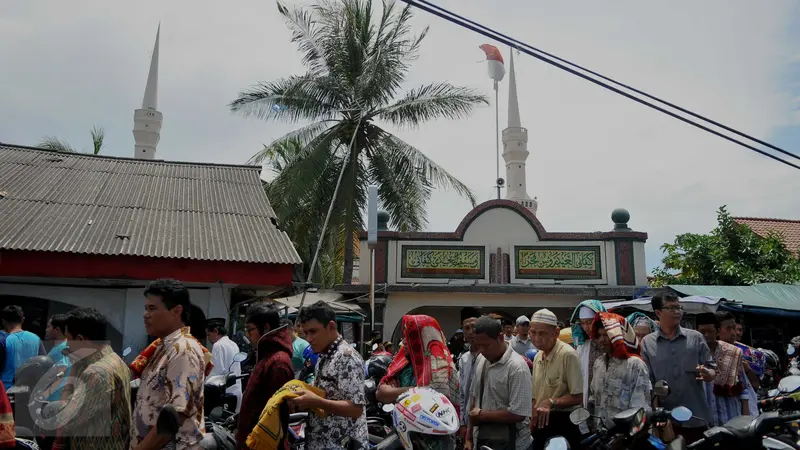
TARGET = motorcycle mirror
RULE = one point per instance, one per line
(126, 352)
(557, 443)
(773, 393)
(239, 357)
(790, 350)
(661, 388)
(789, 384)
(578, 416)
(168, 422)
(681, 414)
(387, 408)
(369, 384)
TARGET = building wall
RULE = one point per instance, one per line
(621, 262)
(122, 305)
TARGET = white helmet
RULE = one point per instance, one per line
(425, 418)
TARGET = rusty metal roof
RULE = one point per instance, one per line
(78, 203)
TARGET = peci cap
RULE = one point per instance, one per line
(545, 316)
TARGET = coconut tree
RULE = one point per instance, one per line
(54, 143)
(357, 59)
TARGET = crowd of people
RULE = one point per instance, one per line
(513, 386)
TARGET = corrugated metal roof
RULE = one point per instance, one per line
(119, 206)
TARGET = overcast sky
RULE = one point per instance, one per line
(68, 65)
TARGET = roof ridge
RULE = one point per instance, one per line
(98, 205)
(127, 159)
(767, 219)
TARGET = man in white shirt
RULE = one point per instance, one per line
(521, 343)
(223, 349)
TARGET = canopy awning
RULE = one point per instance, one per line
(766, 295)
(693, 304)
(329, 297)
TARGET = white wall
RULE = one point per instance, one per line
(123, 306)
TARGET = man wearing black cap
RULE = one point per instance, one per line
(223, 349)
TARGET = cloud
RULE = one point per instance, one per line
(66, 69)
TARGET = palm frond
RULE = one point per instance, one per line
(291, 99)
(274, 154)
(98, 134)
(431, 171)
(54, 143)
(403, 190)
(432, 101)
(308, 36)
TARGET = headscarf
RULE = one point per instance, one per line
(578, 335)
(7, 434)
(638, 319)
(140, 363)
(427, 352)
(620, 332)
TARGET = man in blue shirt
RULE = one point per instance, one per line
(56, 333)
(19, 345)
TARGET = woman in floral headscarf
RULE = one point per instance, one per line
(424, 360)
(588, 350)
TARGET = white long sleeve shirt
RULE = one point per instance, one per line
(223, 351)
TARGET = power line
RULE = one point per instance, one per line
(553, 60)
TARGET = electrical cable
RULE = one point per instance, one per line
(618, 83)
(491, 34)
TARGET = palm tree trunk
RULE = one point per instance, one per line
(349, 231)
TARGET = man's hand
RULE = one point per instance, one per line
(305, 400)
(475, 416)
(541, 414)
(705, 374)
(467, 445)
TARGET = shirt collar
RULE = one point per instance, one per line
(678, 334)
(503, 359)
(331, 350)
(552, 354)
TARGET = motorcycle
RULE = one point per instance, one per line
(631, 427)
(765, 431)
(217, 401)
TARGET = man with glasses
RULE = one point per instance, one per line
(682, 358)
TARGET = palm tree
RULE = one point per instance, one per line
(54, 143)
(356, 59)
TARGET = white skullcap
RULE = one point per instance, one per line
(522, 319)
(545, 316)
(586, 313)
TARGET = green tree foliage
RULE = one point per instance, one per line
(357, 59)
(732, 254)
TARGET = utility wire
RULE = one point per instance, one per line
(618, 83)
(492, 34)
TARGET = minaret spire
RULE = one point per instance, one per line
(147, 121)
(515, 147)
(150, 100)
(513, 102)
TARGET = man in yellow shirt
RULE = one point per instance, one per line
(557, 383)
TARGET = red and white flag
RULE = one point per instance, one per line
(494, 59)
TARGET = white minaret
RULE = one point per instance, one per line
(515, 148)
(147, 121)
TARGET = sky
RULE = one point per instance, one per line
(67, 66)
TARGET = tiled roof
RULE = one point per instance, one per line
(101, 205)
(789, 230)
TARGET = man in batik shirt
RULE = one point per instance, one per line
(98, 413)
(173, 374)
(621, 379)
(340, 373)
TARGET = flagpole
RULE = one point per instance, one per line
(497, 135)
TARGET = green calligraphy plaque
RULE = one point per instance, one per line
(443, 261)
(558, 262)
